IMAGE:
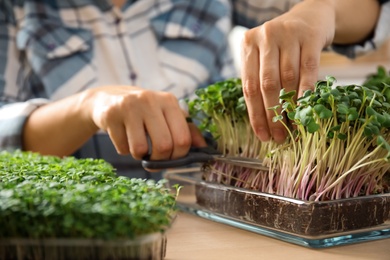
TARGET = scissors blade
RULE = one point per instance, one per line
(203, 154)
(242, 161)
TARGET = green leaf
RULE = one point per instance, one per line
(312, 126)
(342, 109)
(325, 97)
(352, 114)
(341, 136)
(356, 102)
(387, 92)
(330, 80)
(274, 107)
(370, 111)
(285, 96)
(305, 115)
(382, 142)
(305, 99)
(367, 131)
(277, 118)
(322, 111)
(386, 123)
(286, 106)
(380, 118)
(291, 115)
(335, 128)
(335, 92)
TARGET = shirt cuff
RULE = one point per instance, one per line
(12, 119)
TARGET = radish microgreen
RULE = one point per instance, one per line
(337, 145)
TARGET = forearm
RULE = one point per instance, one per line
(58, 128)
(355, 20)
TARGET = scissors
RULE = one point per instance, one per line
(203, 154)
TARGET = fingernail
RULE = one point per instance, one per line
(263, 134)
(278, 135)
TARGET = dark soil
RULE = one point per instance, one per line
(305, 218)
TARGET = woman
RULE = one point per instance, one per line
(70, 70)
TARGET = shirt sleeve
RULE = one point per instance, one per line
(252, 13)
(380, 35)
(14, 110)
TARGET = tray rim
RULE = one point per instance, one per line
(177, 175)
(381, 231)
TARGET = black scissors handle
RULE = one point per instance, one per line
(195, 155)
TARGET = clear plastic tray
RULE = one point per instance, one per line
(151, 247)
(306, 223)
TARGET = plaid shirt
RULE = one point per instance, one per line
(52, 49)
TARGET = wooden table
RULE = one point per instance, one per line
(193, 237)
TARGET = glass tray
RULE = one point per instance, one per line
(306, 223)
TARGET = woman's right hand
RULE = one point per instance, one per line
(131, 115)
(284, 53)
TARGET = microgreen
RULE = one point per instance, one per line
(379, 79)
(340, 141)
(221, 110)
(337, 145)
(49, 197)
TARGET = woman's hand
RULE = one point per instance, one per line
(128, 114)
(283, 53)
(131, 115)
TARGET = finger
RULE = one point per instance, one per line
(179, 130)
(118, 137)
(196, 136)
(309, 66)
(136, 137)
(159, 134)
(251, 86)
(270, 85)
(289, 66)
(289, 70)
